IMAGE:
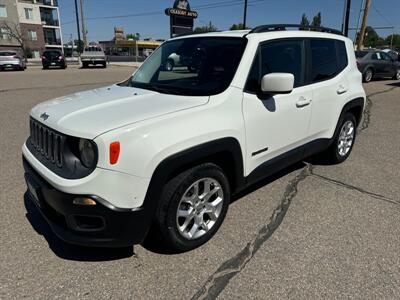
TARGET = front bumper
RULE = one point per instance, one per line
(102, 225)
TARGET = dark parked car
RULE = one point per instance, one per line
(10, 59)
(374, 64)
(53, 58)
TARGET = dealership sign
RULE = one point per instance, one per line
(181, 13)
(181, 18)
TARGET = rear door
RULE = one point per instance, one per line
(328, 79)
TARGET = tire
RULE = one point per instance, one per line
(368, 75)
(45, 67)
(169, 65)
(343, 141)
(104, 65)
(397, 75)
(85, 65)
(203, 217)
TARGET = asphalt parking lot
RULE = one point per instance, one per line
(312, 231)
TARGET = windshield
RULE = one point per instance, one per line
(197, 66)
(361, 54)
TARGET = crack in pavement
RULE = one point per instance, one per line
(217, 282)
(355, 188)
(367, 110)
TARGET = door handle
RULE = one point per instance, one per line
(341, 90)
(303, 102)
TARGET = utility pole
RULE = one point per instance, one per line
(245, 14)
(346, 17)
(361, 36)
(83, 24)
(77, 25)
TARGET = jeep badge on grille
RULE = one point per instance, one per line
(44, 116)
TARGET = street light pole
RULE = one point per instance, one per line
(77, 25)
(245, 14)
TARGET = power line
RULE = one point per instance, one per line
(229, 3)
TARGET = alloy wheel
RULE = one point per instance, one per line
(346, 138)
(199, 208)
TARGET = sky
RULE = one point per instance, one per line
(147, 16)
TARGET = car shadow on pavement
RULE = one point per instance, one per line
(153, 242)
(396, 84)
(69, 251)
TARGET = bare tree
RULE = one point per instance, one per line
(14, 31)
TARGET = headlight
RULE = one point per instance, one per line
(87, 153)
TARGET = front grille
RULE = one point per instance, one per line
(47, 143)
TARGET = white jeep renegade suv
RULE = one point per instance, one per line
(168, 147)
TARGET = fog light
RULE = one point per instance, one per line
(84, 201)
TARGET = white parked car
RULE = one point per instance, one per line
(169, 148)
(93, 55)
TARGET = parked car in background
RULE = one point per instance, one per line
(10, 59)
(373, 64)
(53, 58)
(93, 55)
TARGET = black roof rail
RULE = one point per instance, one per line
(282, 27)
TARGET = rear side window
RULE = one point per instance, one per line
(328, 58)
(282, 56)
(342, 55)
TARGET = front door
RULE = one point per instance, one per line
(276, 124)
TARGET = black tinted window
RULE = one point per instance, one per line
(324, 62)
(283, 57)
(342, 55)
(277, 57)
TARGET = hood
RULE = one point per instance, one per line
(91, 113)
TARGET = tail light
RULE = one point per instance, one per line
(16, 57)
(44, 57)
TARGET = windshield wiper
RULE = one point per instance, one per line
(164, 89)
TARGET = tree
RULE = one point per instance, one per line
(304, 21)
(133, 36)
(14, 32)
(238, 26)
(395, 40)
(79, 45)
(372, 39)
(317, 20)
(208, 28)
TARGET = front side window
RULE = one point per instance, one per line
(29, 13)
(3, 11)
(285, 56)
(196, 66)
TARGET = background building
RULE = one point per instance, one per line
(33, 25)
(121, 46)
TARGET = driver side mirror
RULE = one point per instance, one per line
(277, 83)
